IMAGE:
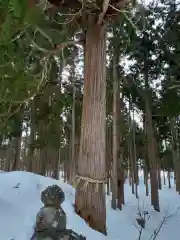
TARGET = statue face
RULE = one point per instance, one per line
(53, 196)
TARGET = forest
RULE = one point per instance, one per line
(90, 89)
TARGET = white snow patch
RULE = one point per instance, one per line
(20, 202)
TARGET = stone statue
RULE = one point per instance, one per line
(51, 219)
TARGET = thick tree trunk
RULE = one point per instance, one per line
(90, 193)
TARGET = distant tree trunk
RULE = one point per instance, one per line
(146, 179)
(55, 174)
(43, 154)
(24, 151)
(151, 142)
(58, 123)
(73, 131)
(158, 162)
(90, 199)
(115, 134)
(164, 177)
(175, 153)
(146, 172)
(17, 145)
(69, 167)
(159, 177)
(120, 191)
(31, 137)
(130, 151)
(169, 178)
(9, 157)
(43, 161)
(65, 157)
(135, 165)
(118, 129)
(108, 155)
(16, 162)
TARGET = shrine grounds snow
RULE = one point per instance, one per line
(20, 202)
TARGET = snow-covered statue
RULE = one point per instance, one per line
(51, 219)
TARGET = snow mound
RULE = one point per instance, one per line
(20, 201)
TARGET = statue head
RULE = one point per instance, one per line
(53, 196)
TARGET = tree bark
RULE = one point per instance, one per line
(73, 131)
(56, 171)
(151, 147)
(169, 178)
(108, 155)
(135, 165)
(9, 157)
(31, 137)
(130, 150)
(175, 153)
(115, 135)
(17, 146)
(90, 195)
(145, 164)
(164, 178)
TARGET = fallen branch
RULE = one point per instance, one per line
(158, 229)
(141, 220)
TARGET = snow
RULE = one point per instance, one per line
(20, 202)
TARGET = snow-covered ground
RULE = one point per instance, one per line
(20, 201)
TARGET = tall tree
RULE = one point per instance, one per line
(90, 198)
